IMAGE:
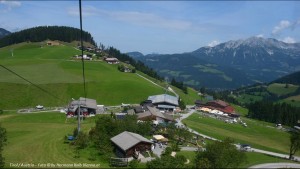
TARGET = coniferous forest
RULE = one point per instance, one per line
(282, 113)
(41, 33)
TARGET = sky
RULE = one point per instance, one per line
(164, 27)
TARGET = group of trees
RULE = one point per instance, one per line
(137, 64)
(179, 85)
(167, 161)
(41, 33)
(275, 113)
(221, 154)
(109, 126)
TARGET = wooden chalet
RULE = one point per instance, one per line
(128, 144)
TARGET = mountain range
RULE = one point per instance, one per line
(228, 65)
(3, 32)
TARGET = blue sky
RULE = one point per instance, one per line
(161, 26)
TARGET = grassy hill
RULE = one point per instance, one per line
(277, 92)
(259, 134)
(53, 69)
(282, 89)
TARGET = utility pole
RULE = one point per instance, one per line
(78, 116)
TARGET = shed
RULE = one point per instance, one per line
(86, 105)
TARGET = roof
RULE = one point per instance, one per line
(165, 106)
(144, 114)
(157, 113)
(198, 102)
(164, 98)
(220, 102)
(84, 102)
(130, 112)
(152, 111)
(158, 137)
(126, 140)
(111, 59)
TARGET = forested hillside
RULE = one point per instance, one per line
(41, 33)
(293, 78)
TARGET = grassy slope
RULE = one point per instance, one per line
(38, 138)
(50, 67)
(279, 89)
(258, 134)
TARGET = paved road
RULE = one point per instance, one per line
(296, 158)
(169, 88)
(276, 165)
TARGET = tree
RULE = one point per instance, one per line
(133, 163)
(220, 155)
(82, 140)
(181, 104)
(167, 161)
(202, 90)
(295, 143)
(2, 144)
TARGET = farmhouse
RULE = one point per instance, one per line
(128, 144)
(87, 107)
(52, 43)
(199, 103)
(112, 60)
(164, 101)
(85, 57)
(151, 113)
(220, 105)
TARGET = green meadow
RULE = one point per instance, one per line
(258, 134)
(53, 69)
(282, 89)
(39, 138)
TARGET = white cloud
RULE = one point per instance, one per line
(213, 43)
(289, 40)
(284, 24)
(6, 6)
(133, 17)
(260, 35)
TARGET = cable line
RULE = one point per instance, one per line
(81, 41)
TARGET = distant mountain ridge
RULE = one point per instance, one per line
(293, 78)
(135, 55)
(231, 64)
(4, 32)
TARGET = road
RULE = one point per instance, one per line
(286, 156)
(276, 165)
(169, 88)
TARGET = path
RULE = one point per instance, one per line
(169, 88)
(286, 156)
(276, 165)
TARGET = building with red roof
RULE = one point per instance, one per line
(220, 105)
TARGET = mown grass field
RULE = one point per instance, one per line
(52, 69)
(258, 134)
(39, 138)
